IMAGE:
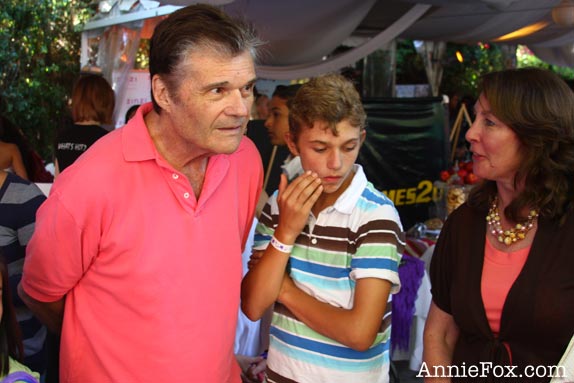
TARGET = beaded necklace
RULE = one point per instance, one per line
(516, 233)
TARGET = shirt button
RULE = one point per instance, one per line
(314, 241)
(175, 176)
(186, 195)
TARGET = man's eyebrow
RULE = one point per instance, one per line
(214, 85)
(225, 84)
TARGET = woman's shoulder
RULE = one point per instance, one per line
(8, 147)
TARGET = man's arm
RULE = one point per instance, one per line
(49, 313)
(357, 327)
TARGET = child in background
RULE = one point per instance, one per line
(11, 349)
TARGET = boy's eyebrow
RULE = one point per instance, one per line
(352, 140)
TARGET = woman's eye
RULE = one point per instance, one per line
(489, 122)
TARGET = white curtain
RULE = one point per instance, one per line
(117, 51)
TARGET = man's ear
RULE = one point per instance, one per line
(160, 92)
(291, 144)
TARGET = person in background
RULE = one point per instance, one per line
(260, 106)
(19, 201)
(136, 256)
(10, 156)
(502, 272)
(11, 349)
(335, 247)
(277, 124)
(33, 164)
(131, 112)
(93, 103)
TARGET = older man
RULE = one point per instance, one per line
(137, 251)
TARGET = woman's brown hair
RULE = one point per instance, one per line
(93, 99)
(539, 107)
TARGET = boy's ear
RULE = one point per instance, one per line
(291, 144)
(363, 135)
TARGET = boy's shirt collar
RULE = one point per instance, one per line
(348, 200)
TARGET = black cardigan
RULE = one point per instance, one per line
(538, 315)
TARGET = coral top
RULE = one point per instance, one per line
(499, 272)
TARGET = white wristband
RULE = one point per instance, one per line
(281, 246)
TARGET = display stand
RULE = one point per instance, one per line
(455, 132)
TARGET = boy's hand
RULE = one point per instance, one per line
(295, 201)
(254, 258)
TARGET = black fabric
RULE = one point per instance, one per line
(536, 322)
(72, 142)
(405, 150)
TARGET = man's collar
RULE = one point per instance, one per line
(137, 144)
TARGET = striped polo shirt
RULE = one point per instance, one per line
(19, 200)
(360, 236)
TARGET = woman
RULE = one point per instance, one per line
(93, 102)
(10, 156)
(503, 269)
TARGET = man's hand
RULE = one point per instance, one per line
(252, 368)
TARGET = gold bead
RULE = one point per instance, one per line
(507, 241)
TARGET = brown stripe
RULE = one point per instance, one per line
(385, 323)
(341, 239)
(273, 377)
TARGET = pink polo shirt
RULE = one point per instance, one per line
(151, 276)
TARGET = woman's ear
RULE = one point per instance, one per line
(291, 144)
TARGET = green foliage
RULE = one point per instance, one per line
(39, 61)
(525, 58)
(462, 78)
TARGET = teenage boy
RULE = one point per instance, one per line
(335, 250)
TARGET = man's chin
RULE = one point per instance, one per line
(228, 147)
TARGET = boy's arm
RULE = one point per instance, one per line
(356, 327)
(261, 285)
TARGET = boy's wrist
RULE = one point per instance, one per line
(284, 238)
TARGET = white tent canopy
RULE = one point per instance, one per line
(302, 34)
